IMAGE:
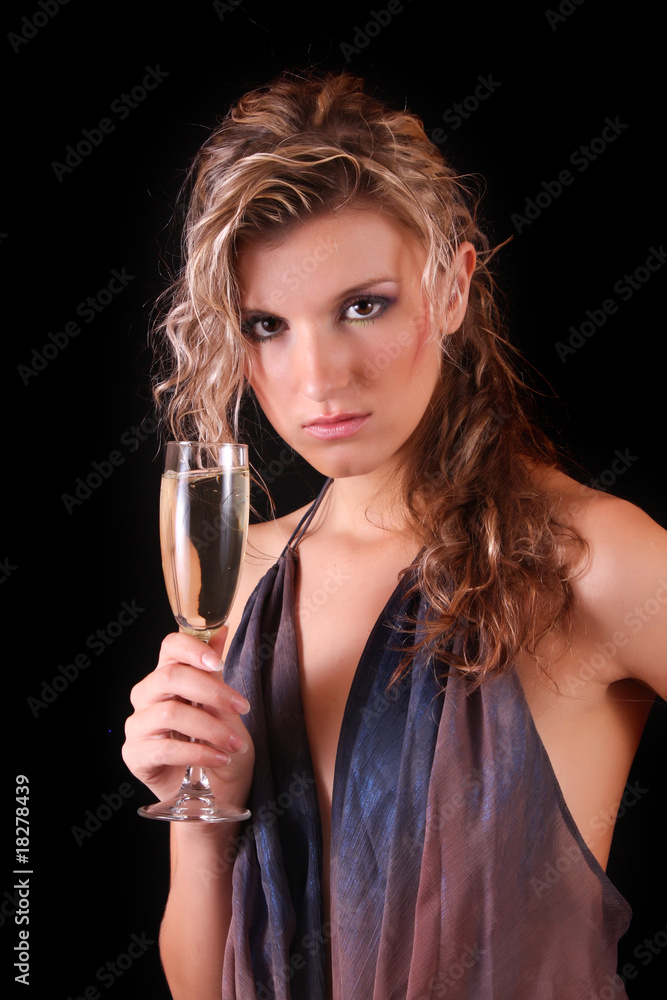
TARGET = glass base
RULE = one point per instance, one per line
(194, 805)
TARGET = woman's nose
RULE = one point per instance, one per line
(324, 363)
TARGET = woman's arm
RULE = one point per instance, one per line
(623, 592)
(198, 912)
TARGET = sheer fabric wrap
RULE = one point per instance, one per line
(456, 868)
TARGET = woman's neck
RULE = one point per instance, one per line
(363, 509)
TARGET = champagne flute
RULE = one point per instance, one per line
(204, 506)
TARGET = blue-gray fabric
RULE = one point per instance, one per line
(456, 868)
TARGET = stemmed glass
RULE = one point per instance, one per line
(204, 505)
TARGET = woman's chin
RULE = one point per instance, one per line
(350, 467)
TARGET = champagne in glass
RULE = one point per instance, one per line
(204, 505)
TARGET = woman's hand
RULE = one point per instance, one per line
(189, 670)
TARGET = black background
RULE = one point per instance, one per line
(69, 567)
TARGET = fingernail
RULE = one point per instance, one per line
(223, 758)
(239, 704)
(236, 743)
(211, 661)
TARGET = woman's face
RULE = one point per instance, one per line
(344, 359)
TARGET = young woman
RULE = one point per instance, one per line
(436, 682)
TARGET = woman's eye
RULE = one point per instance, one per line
(269, 324)
(364, 309)
(262, 327)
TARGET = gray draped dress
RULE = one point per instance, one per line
(457, 870)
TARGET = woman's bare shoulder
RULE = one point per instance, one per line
(612, 525)
(267, 539)
(620, 589)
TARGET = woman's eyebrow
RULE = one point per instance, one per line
(363, 286)
(346, 294)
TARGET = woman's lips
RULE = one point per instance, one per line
(336, 425)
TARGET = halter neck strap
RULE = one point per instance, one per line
(304, 523)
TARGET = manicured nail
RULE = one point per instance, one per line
(223, 758)
(236, 743)
(239, 704)
(211, 661)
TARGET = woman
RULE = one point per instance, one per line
(434, 684)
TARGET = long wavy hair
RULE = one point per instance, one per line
(495, 558)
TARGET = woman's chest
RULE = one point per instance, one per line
(338, 607)
(590, 731)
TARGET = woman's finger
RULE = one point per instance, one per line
(178, 680)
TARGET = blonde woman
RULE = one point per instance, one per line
(436, 677)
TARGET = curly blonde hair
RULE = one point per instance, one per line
(493, 567)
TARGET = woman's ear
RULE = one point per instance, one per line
(458, 287)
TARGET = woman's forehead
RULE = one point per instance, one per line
(346, 248)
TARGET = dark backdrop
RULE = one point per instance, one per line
(90, 181)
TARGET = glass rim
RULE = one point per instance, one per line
(205, 455)
(205, 444)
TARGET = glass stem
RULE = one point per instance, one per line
(196, 779)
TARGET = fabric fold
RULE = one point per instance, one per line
(456, 869)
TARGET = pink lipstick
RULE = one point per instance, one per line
(336, 425)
